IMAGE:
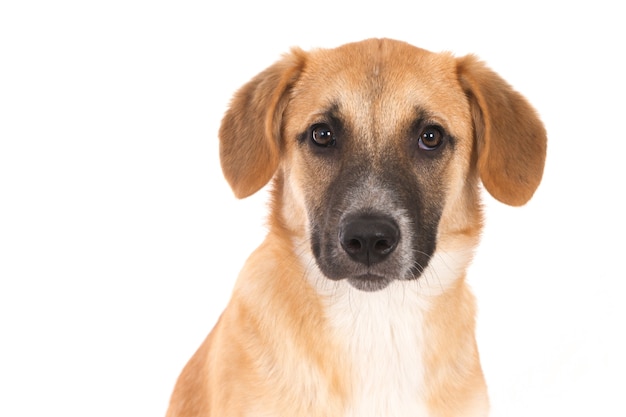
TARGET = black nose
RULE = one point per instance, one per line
(370, 238)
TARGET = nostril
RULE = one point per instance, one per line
(353, 245)
(382, 245)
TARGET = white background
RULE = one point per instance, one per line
(120, 240)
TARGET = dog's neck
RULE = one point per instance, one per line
(383, 333)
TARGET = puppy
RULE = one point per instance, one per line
(356, 302)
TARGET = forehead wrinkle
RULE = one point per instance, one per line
(355, 107)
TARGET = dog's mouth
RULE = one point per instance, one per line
(369, 282)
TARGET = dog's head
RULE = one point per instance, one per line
(377, 148)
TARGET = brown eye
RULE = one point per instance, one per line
(431, 137)
(322, 135)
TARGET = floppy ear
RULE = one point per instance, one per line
(510, 138)
(251, 128)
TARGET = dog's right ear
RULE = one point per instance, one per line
(250, 134)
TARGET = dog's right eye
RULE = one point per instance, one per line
(322, 135)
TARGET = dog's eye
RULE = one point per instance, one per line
(322, 135)
(431, 137)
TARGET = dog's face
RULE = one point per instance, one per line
(377, 149)
(379, 144)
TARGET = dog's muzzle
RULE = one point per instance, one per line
(368, 239)
(360, 248)
(372, 232)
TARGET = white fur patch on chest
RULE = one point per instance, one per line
(382, 336)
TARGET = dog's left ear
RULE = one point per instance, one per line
(250, 134)
(510, 138)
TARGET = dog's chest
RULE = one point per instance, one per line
(382, 337)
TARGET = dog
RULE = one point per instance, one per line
(356, 302)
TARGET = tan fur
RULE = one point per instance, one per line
(275, 350)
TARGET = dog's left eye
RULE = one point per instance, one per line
(430, 138)
(322, 135)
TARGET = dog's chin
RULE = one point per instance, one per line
(369, 282)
